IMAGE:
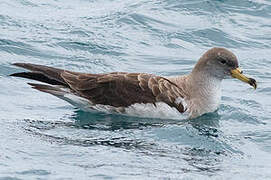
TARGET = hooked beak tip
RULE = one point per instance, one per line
(253, 83)
(238, 73)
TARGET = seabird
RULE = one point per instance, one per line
(196, 93)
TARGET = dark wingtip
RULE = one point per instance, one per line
(32, 84)
(19, 64)
(15, 64)
(16, 74)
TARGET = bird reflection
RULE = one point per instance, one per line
(104, 121)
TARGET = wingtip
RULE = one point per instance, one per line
(15, 74)
(32, 84)
(16, 64)
(19, 64)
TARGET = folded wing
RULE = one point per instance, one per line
(116, 89)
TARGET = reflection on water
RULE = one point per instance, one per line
(115, 121)
(165, 37)
(196, 141)
(123, 132)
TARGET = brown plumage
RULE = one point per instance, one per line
(196, 93)
(117, 89)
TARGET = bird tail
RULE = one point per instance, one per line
(41, 73)
(58, 91)
(56, 85)
(52, 76)
(64, 94)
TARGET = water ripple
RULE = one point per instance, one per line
(165, 37)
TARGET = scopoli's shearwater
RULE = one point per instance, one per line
(196, 93)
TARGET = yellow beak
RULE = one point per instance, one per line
(237, 73)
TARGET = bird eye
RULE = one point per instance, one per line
(223, 61)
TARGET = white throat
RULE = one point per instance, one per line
(205, 93)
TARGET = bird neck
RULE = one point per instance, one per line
(203, 84)
(203, 76)
(204, 93)
(198, 84)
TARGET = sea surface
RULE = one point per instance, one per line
(42, 137)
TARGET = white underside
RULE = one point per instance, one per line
(205, 100)
(159, 110)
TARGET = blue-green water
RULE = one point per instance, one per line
(42, 137)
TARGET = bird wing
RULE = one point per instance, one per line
(118, 89)
(121, 89)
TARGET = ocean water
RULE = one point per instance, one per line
(42, 137)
